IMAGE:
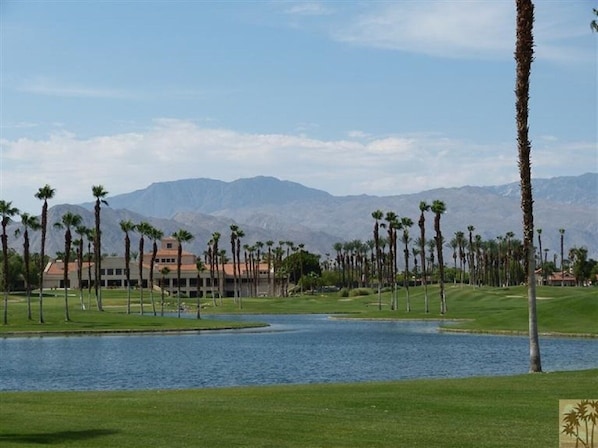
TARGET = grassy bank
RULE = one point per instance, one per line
(112, 319)
(560, 310)
(518, 411)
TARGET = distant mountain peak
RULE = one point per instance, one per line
(165, 199)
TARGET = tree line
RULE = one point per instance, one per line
(374, 263)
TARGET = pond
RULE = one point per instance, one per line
(293, 350)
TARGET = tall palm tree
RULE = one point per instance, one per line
(223, 262)
(406, 224)
(524, 55)
(215, 254)
(259, 246)
(143, 229)
(68, 221)
(240, 234)
(508, 262)
(7, 211)
(99, 193)
(233, 247)
(472, 280)
(562, 233)
(393, 224)
(181, 236)
(163, 274)
(270, 243)
(44, 193)
(82, 231)
(438, 208)
(460, 237)
(540, 258)
(377, 215)
(90, 234)
(127, 226)
(29, 223)
(155, 235)
(423, 207)
(201, 267)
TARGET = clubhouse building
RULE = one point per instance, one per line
(252, 282)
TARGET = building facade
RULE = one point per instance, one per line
(194, 282)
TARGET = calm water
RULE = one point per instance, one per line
(294, 349)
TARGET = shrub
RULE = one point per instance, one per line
(359, 292)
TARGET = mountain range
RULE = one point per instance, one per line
(266, 208)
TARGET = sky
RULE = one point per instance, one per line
(350, 97)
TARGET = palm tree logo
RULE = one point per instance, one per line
(578, 423)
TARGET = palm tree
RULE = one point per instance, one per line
(259, 246)
(540, 254)
(393, 224)
(233, 238)
(377, 215)
(524, 54)
(201, 267)
(99, 193)
(423, 207)
(471, 261)
(143, 229)
(69, 220)
(163, 273)
(215, 269)
(29, 223)
(155, 235)
(240, 234)
(453, 244)
(126, 225)
(508, 262)
(44, 193)
(181, 236)
(438, 208)
(406, 223)
(270, 243)
(7, 211)
(562, 232)
(82, 231)
(90, 234)
(223, 262)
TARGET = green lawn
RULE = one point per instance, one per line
(560, 310)
(502, 412)
(517, 411)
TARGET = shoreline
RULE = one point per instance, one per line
(546, 334)
(125, 331)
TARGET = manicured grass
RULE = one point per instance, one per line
(560, 310)
(503, 412)
(112, 319)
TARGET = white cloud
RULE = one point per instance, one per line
(177, 149)
(48, 87)
(468, 29)
(308, 9)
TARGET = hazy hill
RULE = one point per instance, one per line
(270, 209)
(165, 199)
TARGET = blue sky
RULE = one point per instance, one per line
(354, 97)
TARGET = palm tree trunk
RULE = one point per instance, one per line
(27, 273)
(524, 56)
